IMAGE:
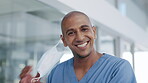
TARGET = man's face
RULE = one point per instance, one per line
(79, 35)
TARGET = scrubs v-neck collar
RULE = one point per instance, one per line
(86, 77)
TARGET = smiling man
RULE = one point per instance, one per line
(87, 65)
(79, 35)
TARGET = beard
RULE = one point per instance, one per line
(80, 56)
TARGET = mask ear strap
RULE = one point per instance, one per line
(35, 79)
(63, 40)
(94, 29)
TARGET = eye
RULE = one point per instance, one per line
(85, 29)
(71, 33)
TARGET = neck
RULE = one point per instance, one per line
(87, 62)
(82, 65)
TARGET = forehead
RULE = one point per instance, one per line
(75, 21)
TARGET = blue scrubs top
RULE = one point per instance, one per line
(108, 69)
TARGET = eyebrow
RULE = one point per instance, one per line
(84, 26)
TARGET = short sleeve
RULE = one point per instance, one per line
(123, 73)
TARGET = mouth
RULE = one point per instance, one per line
(82, 45)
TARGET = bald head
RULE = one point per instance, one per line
(72, 15)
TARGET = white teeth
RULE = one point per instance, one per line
(82, 45)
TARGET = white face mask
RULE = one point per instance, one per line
(50, 58)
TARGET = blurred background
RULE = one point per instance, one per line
(29, 27)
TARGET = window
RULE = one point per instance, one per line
(141, 67)
(27, 29)
(126, 51)
(106, 43)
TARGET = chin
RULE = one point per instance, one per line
(82, 55)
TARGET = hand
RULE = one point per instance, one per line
(26, 77)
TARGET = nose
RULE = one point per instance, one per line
(79, 37)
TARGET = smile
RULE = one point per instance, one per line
(82, 45)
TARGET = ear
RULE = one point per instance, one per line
(94, 30)
(63, 39)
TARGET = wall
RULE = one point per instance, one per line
(134, 12)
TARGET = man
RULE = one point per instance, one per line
(87, 65)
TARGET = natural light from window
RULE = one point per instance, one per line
(141, 66)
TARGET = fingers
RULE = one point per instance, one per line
(26, 79)
(25, 71)
(26, 76)
(29, 80)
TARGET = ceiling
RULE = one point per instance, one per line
(29, 6)
(9, 6)
(143, 4)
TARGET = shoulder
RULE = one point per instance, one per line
(60, 67)
(121, 68)
(56, 75)
(65, 63)
(115, 60)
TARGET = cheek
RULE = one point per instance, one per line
(69, 40)
(91, 35)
